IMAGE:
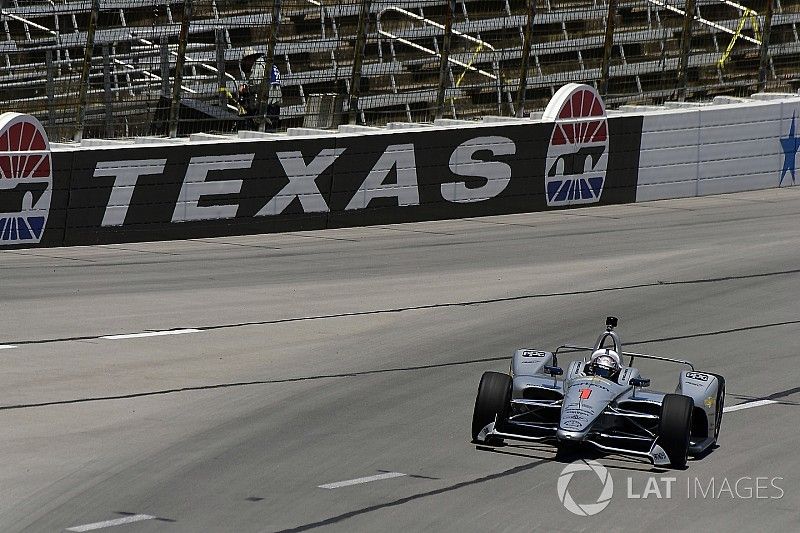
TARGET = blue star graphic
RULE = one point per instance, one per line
(790, 146)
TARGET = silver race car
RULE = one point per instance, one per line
(600, 402)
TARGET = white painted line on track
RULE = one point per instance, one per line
(747, 405)
(6, 346)
(378, 477)
(110, 523)
(150, 334)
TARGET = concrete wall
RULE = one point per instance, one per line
(715, 149)
(575, 155)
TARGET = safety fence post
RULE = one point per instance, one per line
(107, 95)
(764, 55)
(607, 47)
(445, 57)
(219, 43)
(83, 88)
(164, 67)
(183, 38)
(527, 41)
(686, 44)
(50, 88)
(358, 56)
(264, 85)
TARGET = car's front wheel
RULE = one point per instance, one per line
(492, 403)
(675, 427)
(720, 406)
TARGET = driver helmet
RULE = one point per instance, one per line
(604, 363)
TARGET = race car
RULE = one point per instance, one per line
(600, 402)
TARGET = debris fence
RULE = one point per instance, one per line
(126, 68)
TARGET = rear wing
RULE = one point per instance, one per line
(569, 348)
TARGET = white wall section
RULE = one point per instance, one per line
(716, 149)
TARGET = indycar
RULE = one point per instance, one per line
(600, 402)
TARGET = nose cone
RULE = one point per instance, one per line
(572, 436)
(585, 399)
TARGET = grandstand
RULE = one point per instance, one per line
(136, 49)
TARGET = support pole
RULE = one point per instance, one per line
(764, 56)
(164, 67)
(263, 86)
(527, 41)
(50, 87)
(445, 58)
(87, 65)
(686, 45)
(607, 47)
(358, 56)
(219, 41)
(183, 39)
(107, 95)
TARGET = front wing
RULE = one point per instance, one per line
(644, 445)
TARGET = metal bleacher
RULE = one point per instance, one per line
(42, 45)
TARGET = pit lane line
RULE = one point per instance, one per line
(747, 405)
(360, 480)
(110, 523)
(151, 334)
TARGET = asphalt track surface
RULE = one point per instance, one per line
(330, 356)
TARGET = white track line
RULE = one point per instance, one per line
(378, 477)
(150, 334)
(6, 346)
(110, 523)
(747, 405)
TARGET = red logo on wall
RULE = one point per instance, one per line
(577, 157)
(26, 179)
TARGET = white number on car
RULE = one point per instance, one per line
(533, 353)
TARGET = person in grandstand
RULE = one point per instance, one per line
(254, 67)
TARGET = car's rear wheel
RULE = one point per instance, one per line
(492, 403)
(675, 427)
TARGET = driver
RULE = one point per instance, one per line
(605, 364)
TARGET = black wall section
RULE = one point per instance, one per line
(57, 217)
(625, 142)
(202, 190)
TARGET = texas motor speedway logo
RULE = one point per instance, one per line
(26, 179)
(577, 158)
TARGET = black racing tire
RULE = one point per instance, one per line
(492, 403)
(720, 406)
(674, 428)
